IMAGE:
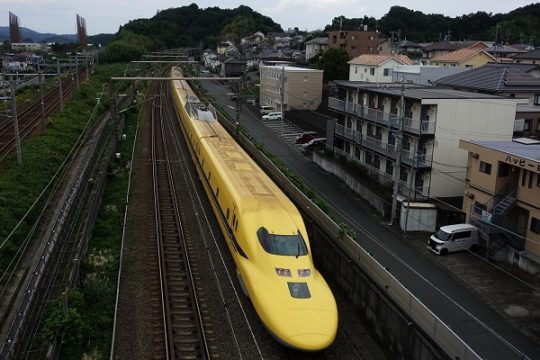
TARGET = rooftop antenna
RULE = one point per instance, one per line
(340, 22)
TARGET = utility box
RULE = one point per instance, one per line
(417, 216)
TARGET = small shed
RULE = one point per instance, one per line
(418, 216)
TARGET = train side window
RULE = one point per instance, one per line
(209, 175)
(236, 226)
(217, 193)
(203, 163)
(227, 214)
(234, 219)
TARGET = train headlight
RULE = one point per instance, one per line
(283, 272)
(304, 272)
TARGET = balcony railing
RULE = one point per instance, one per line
(389, 150)
(416, 126)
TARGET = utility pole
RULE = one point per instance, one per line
(282, 99)
(15, 120)
(77, 71)
(60, 84)
(238, 108)
(413, 178)
(399, 145)
(40, 79)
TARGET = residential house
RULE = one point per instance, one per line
(31, 47)
(233, 67)
(504, 52)
(437, 49)
(301, 87)
(316, 46)
(411, 49)
(467, 57)
(370, 118)
(354, 42)
(519, 81)
(375, 68)
(502, 197)
(213, 62)
(223, 46)
(531, 57)
(384, 47)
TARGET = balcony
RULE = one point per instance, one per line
(415, 126)
(381, 147)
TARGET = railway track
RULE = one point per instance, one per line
(29, 119)
(183, 330)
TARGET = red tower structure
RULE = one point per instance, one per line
(81, 30)
(14, 30)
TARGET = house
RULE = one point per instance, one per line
(467, 57)
(223, 46)
(531, 57)
(316, 46)
(233, 67)
(437, 49)
(422, 74)
(354, 42)
(411, 49)
(384, 47)
(213, 62)
(504, 51)
(31, 47)
(502, 198)
(519, 81)
(301, 87)
(375, 68)
(370, 118)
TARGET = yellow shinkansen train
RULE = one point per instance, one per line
(264, 231)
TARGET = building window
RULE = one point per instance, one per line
(353, 37)
(537, 99)
(523, 177)
(403, 175)
(478, 207)
(353, 47)
(538, 180)
(389, 167)
(371, 71)
(535, 225)
(485, 167)
(356, 69)
(387, 72)
(504, 170)
(531, 176)
(305, 78)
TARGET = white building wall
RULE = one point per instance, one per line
(363, 72)
(478, 119)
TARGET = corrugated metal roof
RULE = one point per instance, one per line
(415, 91)
(496, 77)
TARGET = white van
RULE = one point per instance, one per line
(452, 238)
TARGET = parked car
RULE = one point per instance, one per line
(272, 116)
(452, 238)
(305, 137)
(317, 143)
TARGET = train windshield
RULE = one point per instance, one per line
(286, 245)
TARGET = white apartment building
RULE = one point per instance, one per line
(434, 120)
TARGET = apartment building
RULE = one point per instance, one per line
(355, 42)
(302, 87)
(370, 117)
(502, 197)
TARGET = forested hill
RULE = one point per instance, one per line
(189, 25)
(518, 26)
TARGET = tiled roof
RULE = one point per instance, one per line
(319, 40)
(495, 77)
(407, 43)
(370, 59)
(459, 55)
(443, 45)
(535, 54)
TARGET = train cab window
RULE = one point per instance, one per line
(286, 245)
(299, 290)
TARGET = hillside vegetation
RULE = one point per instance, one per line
(518, 26)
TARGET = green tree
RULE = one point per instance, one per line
(334, 64)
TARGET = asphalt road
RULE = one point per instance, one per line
(490, 335)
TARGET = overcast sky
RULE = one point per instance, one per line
(105, 16)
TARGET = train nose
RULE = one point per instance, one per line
(308, 329)
(311, 342)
